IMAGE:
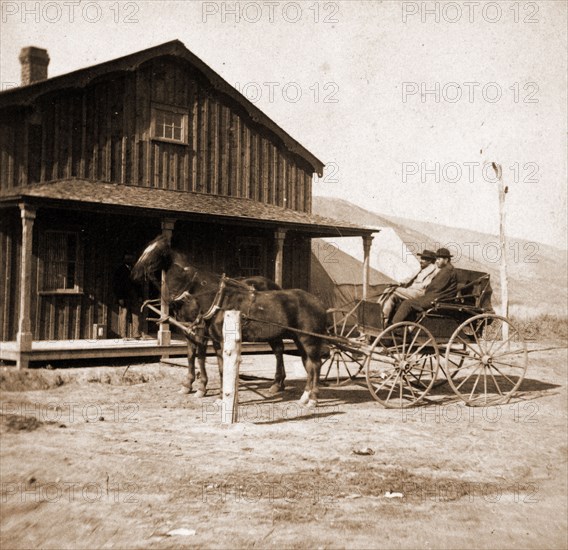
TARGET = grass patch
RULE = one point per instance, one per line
(25, 380)
(542, 327)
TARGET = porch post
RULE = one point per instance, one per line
(24, 337)
(164, 333)
(279, 236)
(367, 240)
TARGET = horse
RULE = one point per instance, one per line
(197, 349)
(270, 315)
(159, 255)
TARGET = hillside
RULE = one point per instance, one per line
(538, 273)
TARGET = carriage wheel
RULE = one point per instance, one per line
(402, 365)
(494, 360)
(450, 363)
(344, 325)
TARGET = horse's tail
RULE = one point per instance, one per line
(157, 255)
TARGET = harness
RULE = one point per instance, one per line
(216, 305)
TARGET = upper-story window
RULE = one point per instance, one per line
(169, 123)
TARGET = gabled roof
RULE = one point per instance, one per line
(109, 196)
(25, 95)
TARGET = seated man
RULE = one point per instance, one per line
(443, 285)
(416, 287)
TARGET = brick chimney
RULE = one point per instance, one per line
(34, 64)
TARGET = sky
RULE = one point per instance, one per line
(407, 103)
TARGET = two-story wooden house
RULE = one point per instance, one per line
(97, 162)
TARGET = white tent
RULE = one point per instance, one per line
(336, 277)
(389, 254)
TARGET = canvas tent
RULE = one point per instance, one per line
(389, 253)
(336, 277)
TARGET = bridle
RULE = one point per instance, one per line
(219, 295)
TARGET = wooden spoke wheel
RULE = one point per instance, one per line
(402, 365)
(344, 362)
(493, 363)
(450, 363)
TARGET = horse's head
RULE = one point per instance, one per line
(185, 308)
(157, 255)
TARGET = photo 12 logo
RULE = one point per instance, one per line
(70, 11)
(330, 174)
(268, 412)
(470, 12)
(69, 491)
(474, 251)
(470, 171)
(454, 413)
(70, 412)
(455, 92)
(291, 92)
(270, 12)
(525, 492)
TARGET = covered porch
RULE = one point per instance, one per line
(65, 350)
(286, 235)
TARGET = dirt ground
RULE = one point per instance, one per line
(105, 457)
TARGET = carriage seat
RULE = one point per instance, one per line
(472, 293)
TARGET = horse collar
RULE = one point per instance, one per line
(216, 305)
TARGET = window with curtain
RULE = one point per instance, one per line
(60, 261)
(251, 256)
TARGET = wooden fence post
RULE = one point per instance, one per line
(231, 362)
(502, 190)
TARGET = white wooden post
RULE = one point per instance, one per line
(502, 241)
(24, 337)
(231, 362)
(164, 333)
(279, 236)
(367, 240)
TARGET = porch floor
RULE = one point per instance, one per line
(60, 350)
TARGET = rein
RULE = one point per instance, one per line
(219, 296)
(215, 305)
(328, 337)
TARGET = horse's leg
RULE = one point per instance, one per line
(219, 352)
(202, 384)
(312, 364)
(280, 374)
(306, 395)
(188, 384)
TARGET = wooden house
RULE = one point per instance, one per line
(99, 161)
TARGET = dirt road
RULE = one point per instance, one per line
(99, 458)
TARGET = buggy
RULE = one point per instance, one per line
(458, 340)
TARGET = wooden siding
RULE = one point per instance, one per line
(297, 257)
(103, 133)
(103, 240)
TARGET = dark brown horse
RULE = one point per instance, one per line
(184, 308)
(268, 315)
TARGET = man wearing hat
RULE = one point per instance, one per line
(443, 285)
(416, 287)
(129, 296)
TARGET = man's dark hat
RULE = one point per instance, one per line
(427, 254)
(443, 253)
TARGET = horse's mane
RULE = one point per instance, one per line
(157, 255)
